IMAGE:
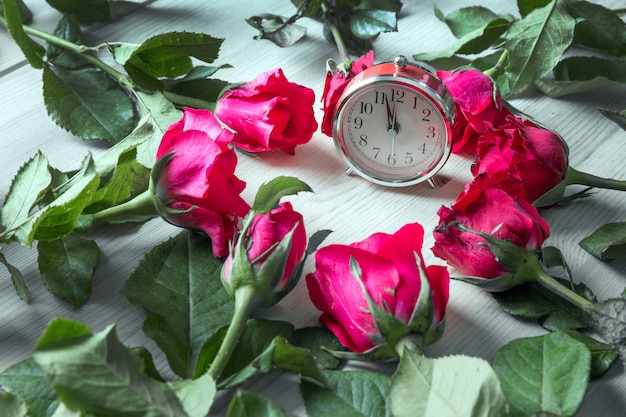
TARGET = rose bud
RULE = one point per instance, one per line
(478, 107)
(376, 293)
(521, 158)
(486, 210)
(194, 178)
(336, 81)
(268, 113)
(268, 254)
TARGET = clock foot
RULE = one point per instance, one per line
(431, 182)
(349, 171)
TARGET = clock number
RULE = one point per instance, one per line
(422, 148)
(408, 158)
(426, 113)
(391, 159)
(380, 97)
(431, 132)
(377, 151)
(358, 122)
(363, 140)
(397, 96)
(366, 108)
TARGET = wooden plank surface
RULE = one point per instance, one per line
(349, 206)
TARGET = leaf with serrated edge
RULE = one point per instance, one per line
(552, 372)
(96, 373)
(28, 186)
(536, 43)
(17, 278)
(606, 241)
(88, 103)
(67, 266)
(196, 395)
(269, 194)
(11, 406)
(26, 381)
(609, 322)
(348, 393)
(178, 285)
(445, 387)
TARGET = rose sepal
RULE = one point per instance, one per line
(523, 265)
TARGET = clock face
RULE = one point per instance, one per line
(392, 133)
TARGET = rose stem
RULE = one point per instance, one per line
(576, 177)
(341, 46)
(141, 205)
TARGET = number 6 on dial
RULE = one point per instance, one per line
(393, 124)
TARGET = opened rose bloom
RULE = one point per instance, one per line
(390, 266)
(275, 246)
(336, 82)
(197, 183)
(269, 113)
(522, 158)
(478, 107)
(488, 210)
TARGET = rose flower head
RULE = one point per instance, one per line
(194, 178)
(522, 158)
(478, 107)
(491, 211)
(336, 80)
(269, 113)
(268, 254)
(377, 292)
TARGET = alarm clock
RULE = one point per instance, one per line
(393, 123)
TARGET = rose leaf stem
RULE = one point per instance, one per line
(341, 46)
(246, 299)
(555, 287)
(143, 204)
(189, 101)
(577, 177)
(497, 69)
(81, 50)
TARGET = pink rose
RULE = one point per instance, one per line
(199, 178)
(263, 238)
(521, 158)
(487, 210)
(335, 84)
(478, 107)
(391, 276)
(269, 113)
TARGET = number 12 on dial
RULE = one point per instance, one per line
(393, 124)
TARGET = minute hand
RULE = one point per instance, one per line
(391, 129)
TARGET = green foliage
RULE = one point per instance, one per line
(86, 11)
(551, 371)
(178, 285)
(608, 242)
(246, 404)
(530, 50)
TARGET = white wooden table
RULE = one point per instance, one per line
(349, 206)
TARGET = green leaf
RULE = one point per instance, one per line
(86, 11)
(255, 350)
(32, 50)
(98, 374)
(178, 285)
(608, 242)
(59, 217)
(29, 185)
(527, 6)
(598, 27)
(196, 395)
(169, 55)
(129, 179)
(536, 43)
(348, 393)
(445, 387)
(581, 68)
(467, 19)
(67, 28)
(602, 354)
(88, 103)
(148, 363)
(608, 320)
(617, 117)
(544, 374)
(205, 92)
(26, 16)
(246, 404)
(11, 406)
(319, 341)
(269, 194)
(27, 382)
(67, 266)
(277, 29)
(368, 24)
(16, 278)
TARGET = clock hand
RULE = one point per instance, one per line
(389, 114)
(392, 128)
